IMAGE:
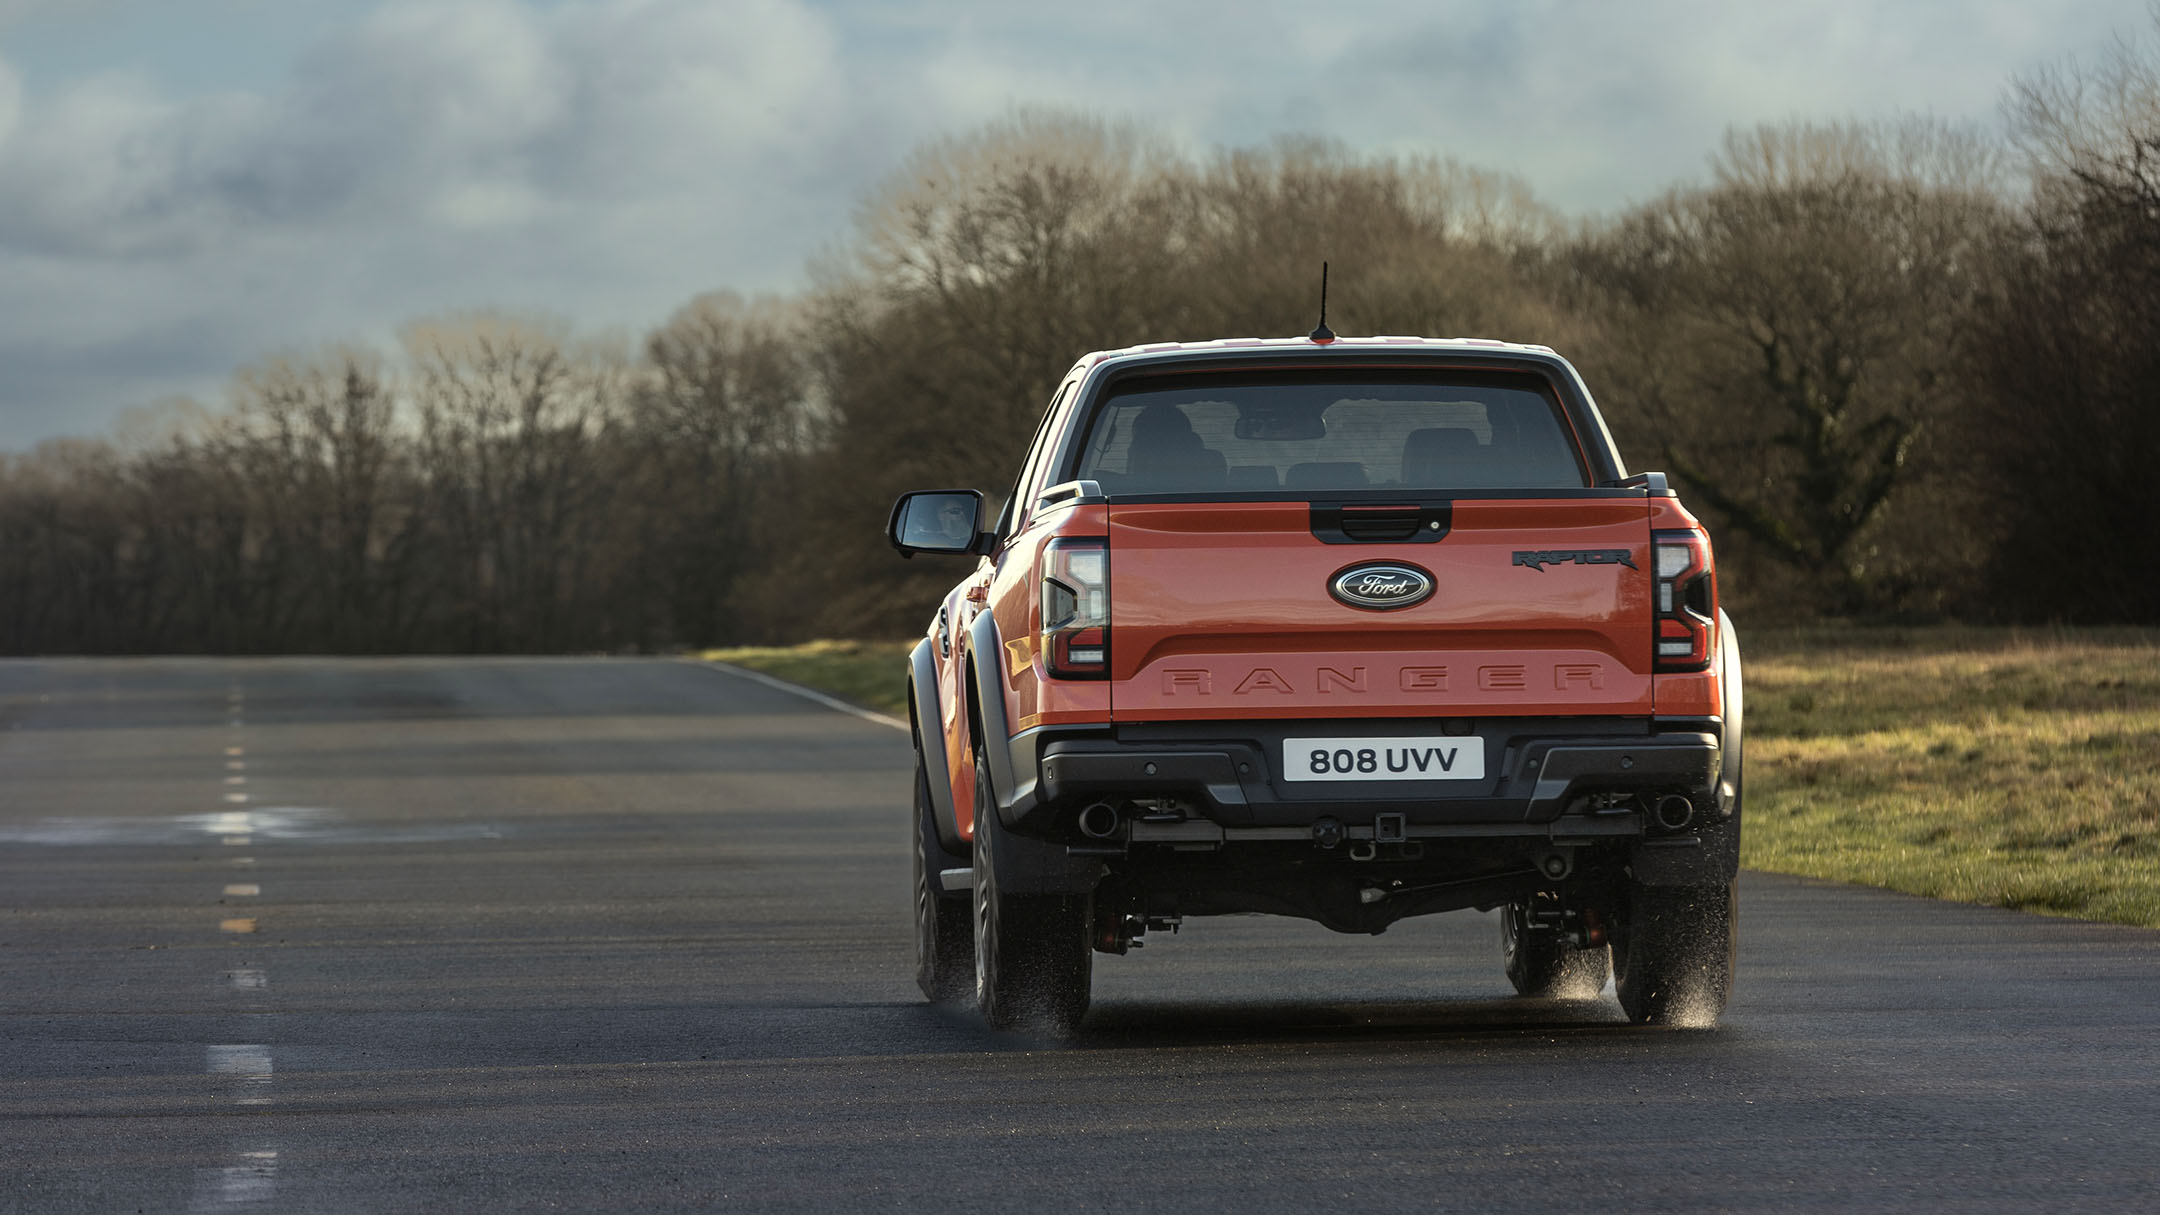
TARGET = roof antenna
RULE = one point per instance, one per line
(1322, 335)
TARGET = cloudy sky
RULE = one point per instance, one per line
(188, 185)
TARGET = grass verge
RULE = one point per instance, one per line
(2015, 769)
(872, 674)
(1989, 766)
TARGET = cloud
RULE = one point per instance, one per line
(10, 101)
(609, 159)
(472, 112)
(604, 160)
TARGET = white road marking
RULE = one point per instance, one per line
(247, 979)
(243, 890)
(236, 750)
(236, 798)
(244, 1060)
(237, 841)
(236, 765)
(248, 1184)
(248, 1065)
(830, 702)
(236, 780)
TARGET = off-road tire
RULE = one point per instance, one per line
(944, 940)
(1033, 956)
(1544, 964)
(1673, 952)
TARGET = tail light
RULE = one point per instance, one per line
(1686, 600)
(1076, 608)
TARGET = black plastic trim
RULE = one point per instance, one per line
(1428, 520)
(930, 724)
(1012, 759)
(1534, 770)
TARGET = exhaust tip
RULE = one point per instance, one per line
(1674, 812)
(1100, 821)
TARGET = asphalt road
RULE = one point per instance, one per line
(302, 935)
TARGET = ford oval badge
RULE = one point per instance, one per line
(1382, 585)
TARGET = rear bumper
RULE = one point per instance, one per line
(1550, 783)
(1532, 778)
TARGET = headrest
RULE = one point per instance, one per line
(1430, 453)
(1162, 423)
(1325, 474)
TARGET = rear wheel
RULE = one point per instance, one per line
(1673, 953)
(1543, 962)
(1033, 955)
(944, 941)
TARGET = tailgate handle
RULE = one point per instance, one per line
(1393, 523)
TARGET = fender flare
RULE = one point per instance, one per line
(1026, 864)
(923, 708)
(1012, 763)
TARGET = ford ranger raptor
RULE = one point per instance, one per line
(1344, 629)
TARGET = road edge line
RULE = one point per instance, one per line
(830, 702)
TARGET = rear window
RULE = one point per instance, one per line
(1393, 430)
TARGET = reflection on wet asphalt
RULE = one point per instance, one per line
(585, 933)
(310, 824)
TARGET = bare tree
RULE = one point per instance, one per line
(720, 414)
(333, 540)
(510, 412)
(1787, 337)
(2066, 352)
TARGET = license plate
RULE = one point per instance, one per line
(1383, 759)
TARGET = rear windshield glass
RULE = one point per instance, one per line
(1394, 430)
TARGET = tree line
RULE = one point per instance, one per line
(1905, 370)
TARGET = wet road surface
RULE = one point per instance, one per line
(300, 935)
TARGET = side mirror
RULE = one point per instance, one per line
(940, 521)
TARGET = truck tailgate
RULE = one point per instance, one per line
(1224, 611)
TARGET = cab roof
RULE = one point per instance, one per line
(1272, 345)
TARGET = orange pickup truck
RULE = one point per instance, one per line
(1344, 629)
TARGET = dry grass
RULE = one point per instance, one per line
(2012, 769)
(2016, 769)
